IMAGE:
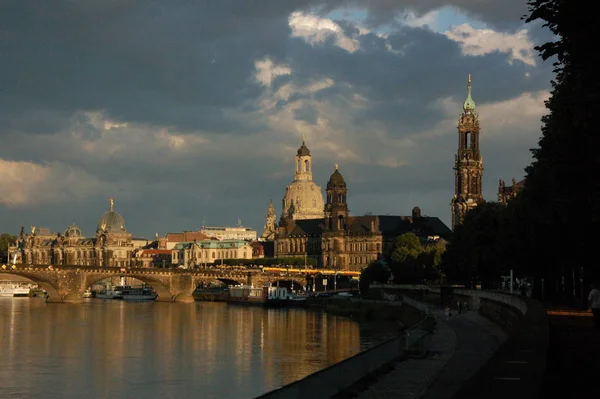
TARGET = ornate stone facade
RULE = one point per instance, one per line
(111, 245)
(270, 224)
(303, 198)
(506, 193)
(468, 164)
(345, 242)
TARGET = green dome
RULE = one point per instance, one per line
(469, 104)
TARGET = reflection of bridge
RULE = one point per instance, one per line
(68, 283)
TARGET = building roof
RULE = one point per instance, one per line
(336, 179)
(156, 251)
(212, 244)
(303, 150)
(188, 236)
(73, 231)
(112, 221)
(383, 224)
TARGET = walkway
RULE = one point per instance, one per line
(459, 347)
(572, 356)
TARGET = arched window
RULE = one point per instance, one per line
(306, 166)
(299, 166)
(213, 254)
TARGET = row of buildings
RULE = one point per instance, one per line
(309, 225)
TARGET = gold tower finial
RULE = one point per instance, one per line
(337, 166)
(112, 203)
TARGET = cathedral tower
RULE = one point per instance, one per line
(336, 208)
(303, 198)
(468, 164)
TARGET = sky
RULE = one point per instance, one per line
(191, 112)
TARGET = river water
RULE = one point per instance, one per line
(115, 349)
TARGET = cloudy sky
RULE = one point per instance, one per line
(190, 110)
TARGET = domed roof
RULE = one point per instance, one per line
(336, 178)
(303, 200)
(111, 221)
(303, 151)
(73, 231)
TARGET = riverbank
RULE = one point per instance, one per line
(399, 314)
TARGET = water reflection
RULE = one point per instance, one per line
(127, 350)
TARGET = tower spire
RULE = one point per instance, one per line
(112, 204)
(468, 164)
(469, 104)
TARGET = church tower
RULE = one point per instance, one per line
(336, 208)
(303, 198)
(468, 164)
(269, 231)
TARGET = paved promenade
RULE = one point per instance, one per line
(459, 347)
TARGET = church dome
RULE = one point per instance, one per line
(112, 221)
(73, 231)
(303, 151)
(336, 179)
(303, 200)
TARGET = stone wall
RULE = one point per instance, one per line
(328, 382)
(505, 316)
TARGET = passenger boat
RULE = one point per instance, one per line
(110, 292)
(88, 293)
(265, 296)
(12, 289)
(142, 293)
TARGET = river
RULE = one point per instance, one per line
(115, 349)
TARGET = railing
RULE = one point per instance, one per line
(418, 337)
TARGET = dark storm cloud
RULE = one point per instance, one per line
(307, 113)
(186, 64)
(401, 86)
(174, 65)
(499, 13)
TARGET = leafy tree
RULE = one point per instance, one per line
(6, 240)
(413, 262)
(474, 253)
(561, 198)
(376, 271)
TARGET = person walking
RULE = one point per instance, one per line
(459, 306)
(594, 303)
(447, 312)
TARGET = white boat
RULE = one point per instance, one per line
(12, 289)
(88, 293)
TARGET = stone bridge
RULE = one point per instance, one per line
(68, 283)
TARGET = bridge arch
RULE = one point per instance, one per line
(51, 289)
(289, 283)
(228, 281)
(157, 285)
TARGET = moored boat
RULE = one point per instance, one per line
(110, 292)
(142, 293)
(13, 289)
(265, 296)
